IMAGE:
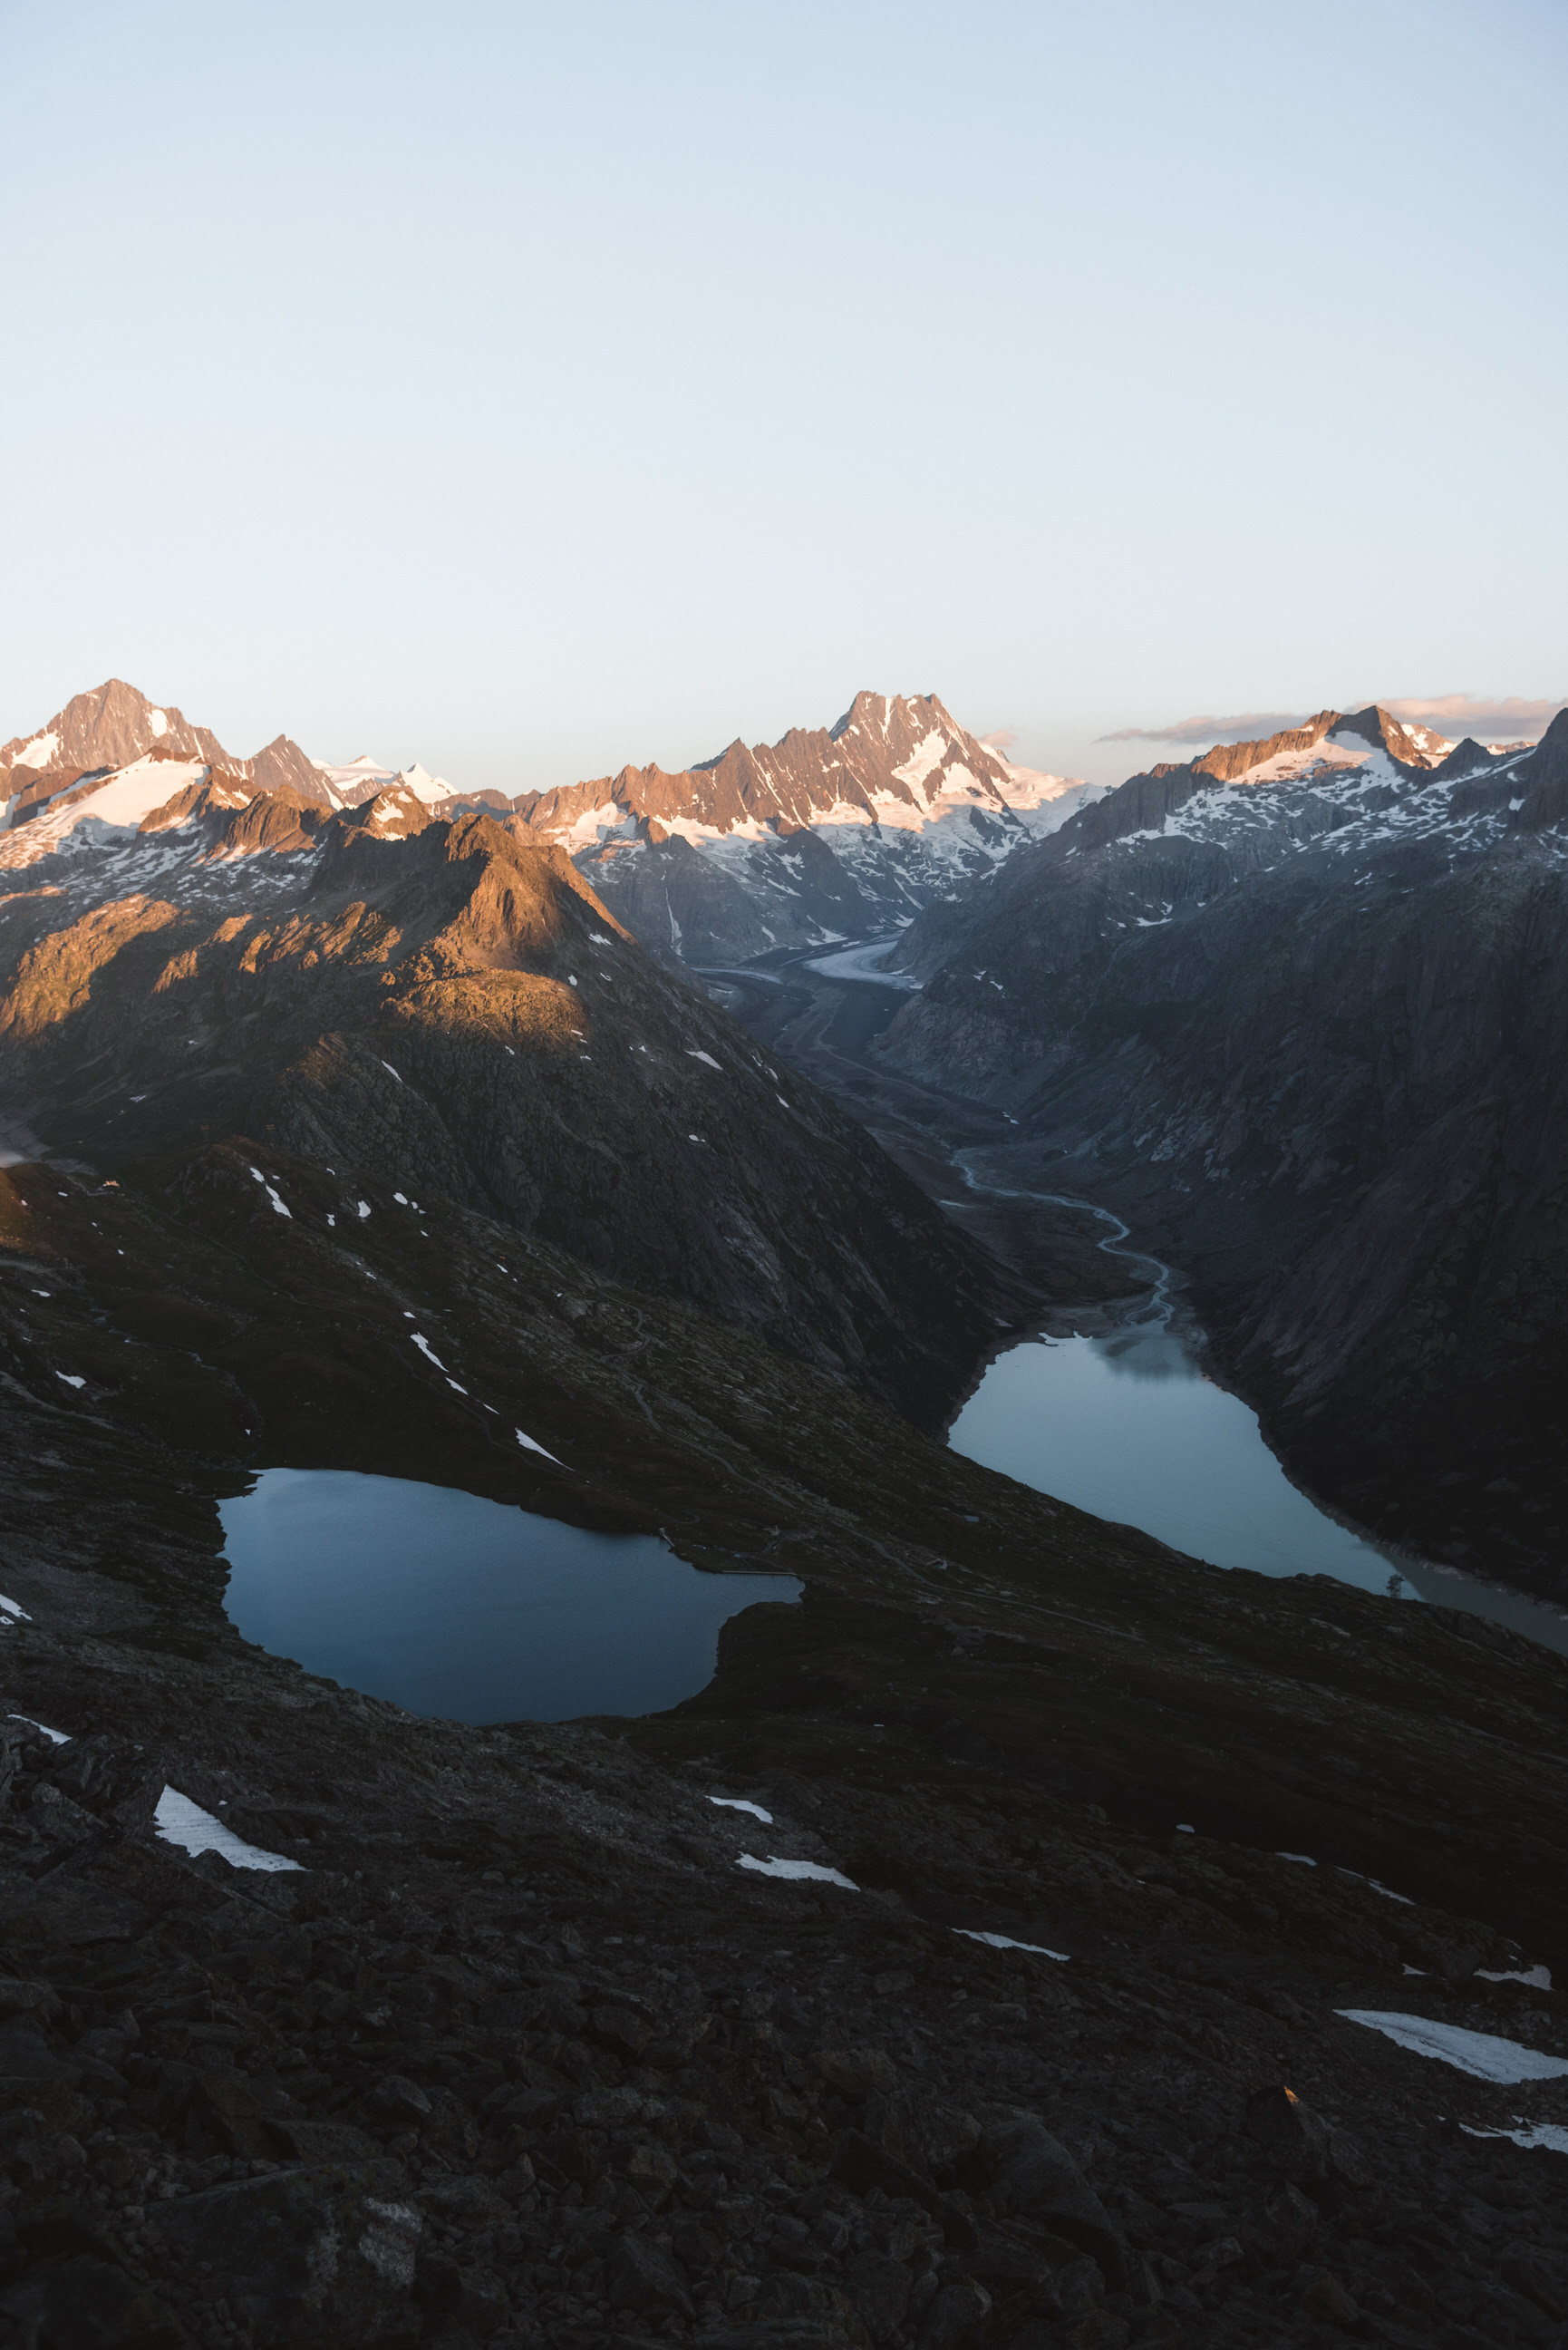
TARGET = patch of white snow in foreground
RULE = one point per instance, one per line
(272, 1195)
(1550, 2135)
(1006, 1942)
(726, 1802)
(1386, 1891)
(1482, 2054)
(55, 1737)
(70, 1378)
(12, 1611)
(692, 1055)
(1536, 1978)
(182, 1822)
(798, 1868)
(529, 1446)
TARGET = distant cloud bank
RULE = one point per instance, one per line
(1250, 725)
(1448, 713)
(1464, 713)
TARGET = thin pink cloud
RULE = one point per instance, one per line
(1511, 716)
(1248, 726)
(1469, 713)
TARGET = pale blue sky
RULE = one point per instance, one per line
(529, 389)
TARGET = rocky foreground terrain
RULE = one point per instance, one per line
(524, 2051)
(1298, 1012)
(976, 1961)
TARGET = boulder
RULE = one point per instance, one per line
(643, 2279)
(860, 2165)
(471, 2300)
(854, 2073)
(87, 2304)
(1032, 2174)
(312, 2257)
(401, 2099)
(879, 2288)
(1304, 2148)
(955, 2316)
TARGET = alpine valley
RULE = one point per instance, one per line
(1299, 1009)
(1029, 1938)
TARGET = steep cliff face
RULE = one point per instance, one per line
(442, 1005)
(1309, 1029)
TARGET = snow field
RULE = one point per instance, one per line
(1484, 2056)
(182, 1822)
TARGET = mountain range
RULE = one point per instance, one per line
(1298, 1009)
(829, 834)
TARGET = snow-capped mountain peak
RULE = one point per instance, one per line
(828, 832)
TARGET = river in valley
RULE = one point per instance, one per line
(469, 1610)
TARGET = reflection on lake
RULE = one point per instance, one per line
(1127, 1426)
(469, 1610)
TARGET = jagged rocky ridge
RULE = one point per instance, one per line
(113, 727)
(828, 834)
(1300, 1010)
(381, 991)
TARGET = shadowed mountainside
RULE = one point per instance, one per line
(385, 994)
(1303, 1016)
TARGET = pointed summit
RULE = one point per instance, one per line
(108, 727)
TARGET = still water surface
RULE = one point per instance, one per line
(466, 1609)
(1127, 1424)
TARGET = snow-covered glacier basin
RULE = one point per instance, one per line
(467, 1611)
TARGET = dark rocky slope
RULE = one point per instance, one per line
(1309, 1037)
(446, 1005)
(521, 2055)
